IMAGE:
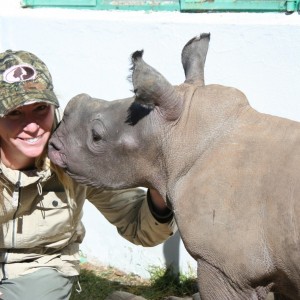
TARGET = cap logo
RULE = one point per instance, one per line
(19, 73)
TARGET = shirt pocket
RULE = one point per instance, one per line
(54, 218)
(52, 201)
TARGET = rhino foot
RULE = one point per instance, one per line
(178, 298)
(120, 295)
(194, 297)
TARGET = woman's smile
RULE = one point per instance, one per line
(33, 140)
(24, 133)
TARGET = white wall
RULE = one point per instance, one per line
(88, 51)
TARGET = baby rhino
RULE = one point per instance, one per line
(230, 174)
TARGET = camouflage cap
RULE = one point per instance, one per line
(23, 78)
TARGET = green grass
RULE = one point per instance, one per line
(98, 283)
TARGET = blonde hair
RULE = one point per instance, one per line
(43, 163)
(66, 181)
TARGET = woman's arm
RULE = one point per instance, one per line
(139, 218)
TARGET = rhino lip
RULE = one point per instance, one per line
(55, 156)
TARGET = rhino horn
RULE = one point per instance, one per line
(193, 58)
(153, 90)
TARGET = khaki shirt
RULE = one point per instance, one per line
(40, 227)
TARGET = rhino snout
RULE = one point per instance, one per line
(55, 155)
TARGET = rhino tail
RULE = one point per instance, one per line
(152, 89)
(193, 58)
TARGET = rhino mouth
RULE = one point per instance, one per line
(55, 155)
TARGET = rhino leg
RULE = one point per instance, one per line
(120, 295)
(215, 285)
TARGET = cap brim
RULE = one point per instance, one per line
(29, 97)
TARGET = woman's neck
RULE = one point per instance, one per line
(17, 162)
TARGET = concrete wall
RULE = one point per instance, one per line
(88, 51)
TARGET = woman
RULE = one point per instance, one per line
(40, 206)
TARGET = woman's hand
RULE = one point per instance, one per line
(159, 204)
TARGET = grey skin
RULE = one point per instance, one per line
(230, 174)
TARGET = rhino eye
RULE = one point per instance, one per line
(96, 136)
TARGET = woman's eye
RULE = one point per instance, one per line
(42, 107)
(96, 136)
(14, 114)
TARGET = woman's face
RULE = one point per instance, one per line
(24, 133)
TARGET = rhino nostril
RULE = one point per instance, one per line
(52, 146)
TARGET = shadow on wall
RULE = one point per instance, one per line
(171, 249)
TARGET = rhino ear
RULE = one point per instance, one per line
(153, 90)
(193, 58)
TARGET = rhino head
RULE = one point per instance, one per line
(129, 142)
